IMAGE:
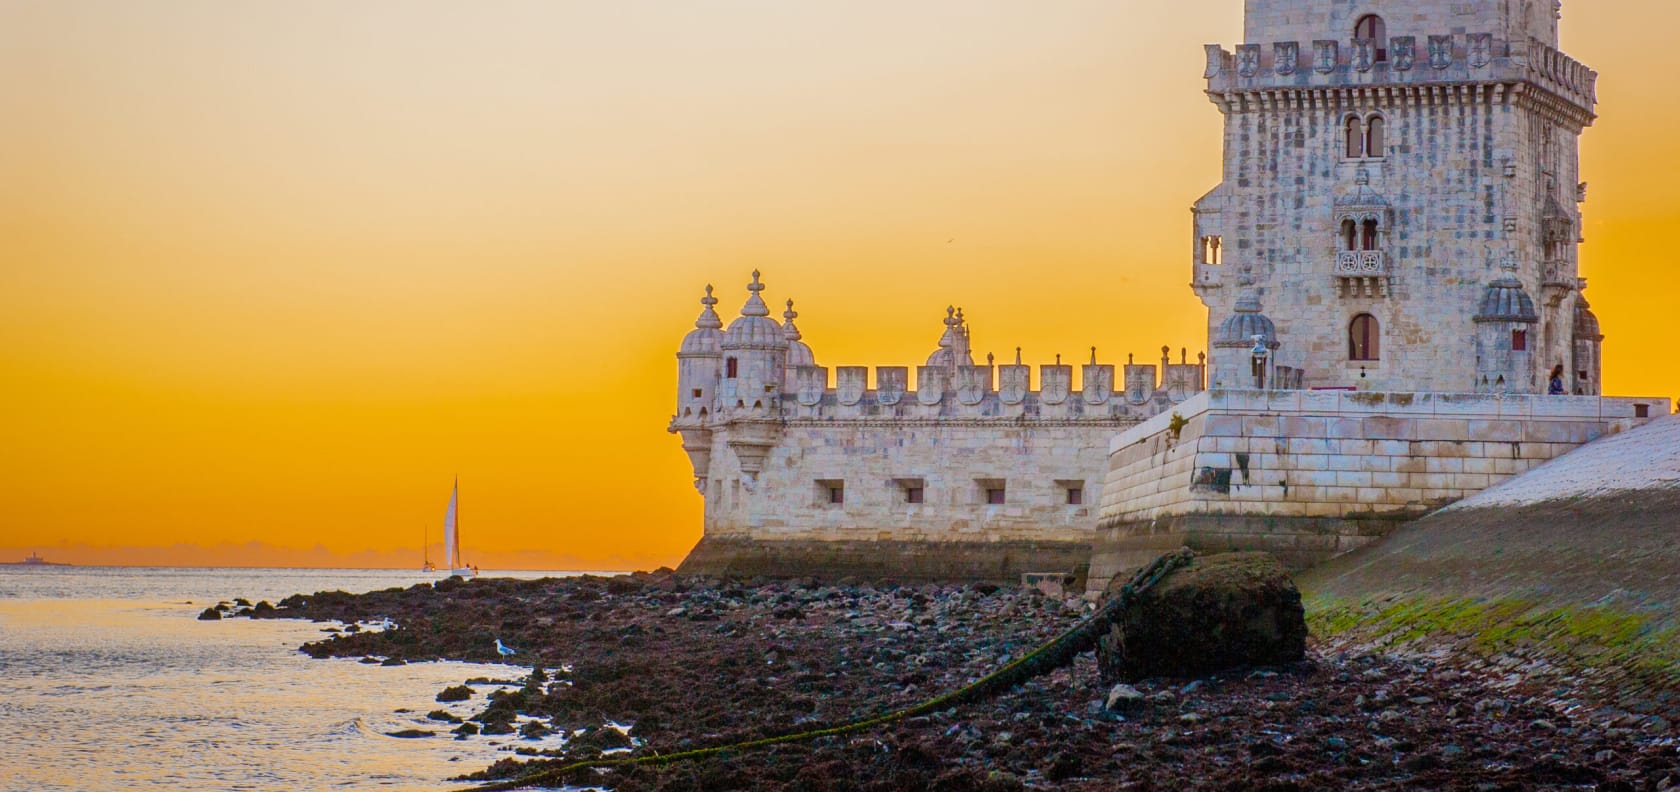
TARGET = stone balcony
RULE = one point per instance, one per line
(1361, 273)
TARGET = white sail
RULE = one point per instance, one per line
(451, 537)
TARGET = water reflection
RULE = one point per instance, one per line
(123, 688)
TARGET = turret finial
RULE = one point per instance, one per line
(988, 358)
(708, 318)
(788, 330)
(1017, 356)
(1093, 356)
(755, 305)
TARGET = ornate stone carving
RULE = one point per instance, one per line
(1402, 50)
(1248, 59)
(1099, 384)
(890, 384)
(1286, 56)
(1215, 60)
(1364, 54)
(1481, 49)
(973, 384)
(1324, 56)
(1012, 384)
(1054, 382)
(1440, 51)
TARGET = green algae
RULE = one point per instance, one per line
(1598, 639)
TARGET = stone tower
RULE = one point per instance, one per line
(1388, 163)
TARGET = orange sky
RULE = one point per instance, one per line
(276, 271)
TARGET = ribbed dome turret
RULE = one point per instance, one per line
(706, 339)
(1586, 322)
(755, 329)
(1240, 328)
(953, 348)
(798, 354)
(1505, 301)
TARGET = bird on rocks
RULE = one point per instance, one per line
(503, 649)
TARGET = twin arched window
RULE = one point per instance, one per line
(1360, 236)
(1365, 137)
(1363, 338)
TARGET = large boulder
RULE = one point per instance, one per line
(1217, 613)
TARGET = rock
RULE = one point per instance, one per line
(1125, 698)
(442, 715)
(210, 614)
(409, 734)
(675, 612)
(466, 729)
(1220, 612)
(1063, 765)
(394, 661)
(456, 693)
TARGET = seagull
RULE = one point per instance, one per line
(503, 649)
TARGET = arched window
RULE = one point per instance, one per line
(1362, 338)
(729, 368)
(1350, 235)
(1355, 138)
(1371, 27)
(1374, 137)
(1368, 235)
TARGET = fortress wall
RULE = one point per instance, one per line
(876, 464)
(1310, 475)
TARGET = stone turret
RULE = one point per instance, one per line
(1238, 336)
(1589, 344)
(699, 367)
(798, 354)
(1504, 326)
(755, 352)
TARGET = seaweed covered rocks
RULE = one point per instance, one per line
(1218, 613)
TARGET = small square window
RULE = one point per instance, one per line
(831, 492)
(1075, 496)
(1519, 340)
(696, 393)
(1641, 410)
(913, 495)
(994, 496)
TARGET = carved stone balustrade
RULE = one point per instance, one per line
(1361, 273)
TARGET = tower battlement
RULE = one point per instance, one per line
(1433, 68)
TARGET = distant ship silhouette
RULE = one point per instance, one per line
(34, 559)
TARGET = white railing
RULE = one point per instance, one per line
(1360, 263)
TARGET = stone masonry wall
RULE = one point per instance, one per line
(1312, 474)
(875, 464)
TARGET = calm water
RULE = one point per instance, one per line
(109, 681)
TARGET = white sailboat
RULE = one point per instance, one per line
(452, 537)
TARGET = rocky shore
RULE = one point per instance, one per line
(660, 663)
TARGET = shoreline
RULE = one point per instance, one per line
(695, 662)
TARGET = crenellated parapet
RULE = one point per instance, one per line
(1433, 69)
(989, 393)
(743, 387)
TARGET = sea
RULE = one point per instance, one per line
(108, 681)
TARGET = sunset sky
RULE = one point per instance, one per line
(276, 272)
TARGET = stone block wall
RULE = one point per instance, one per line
(1309, 474)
